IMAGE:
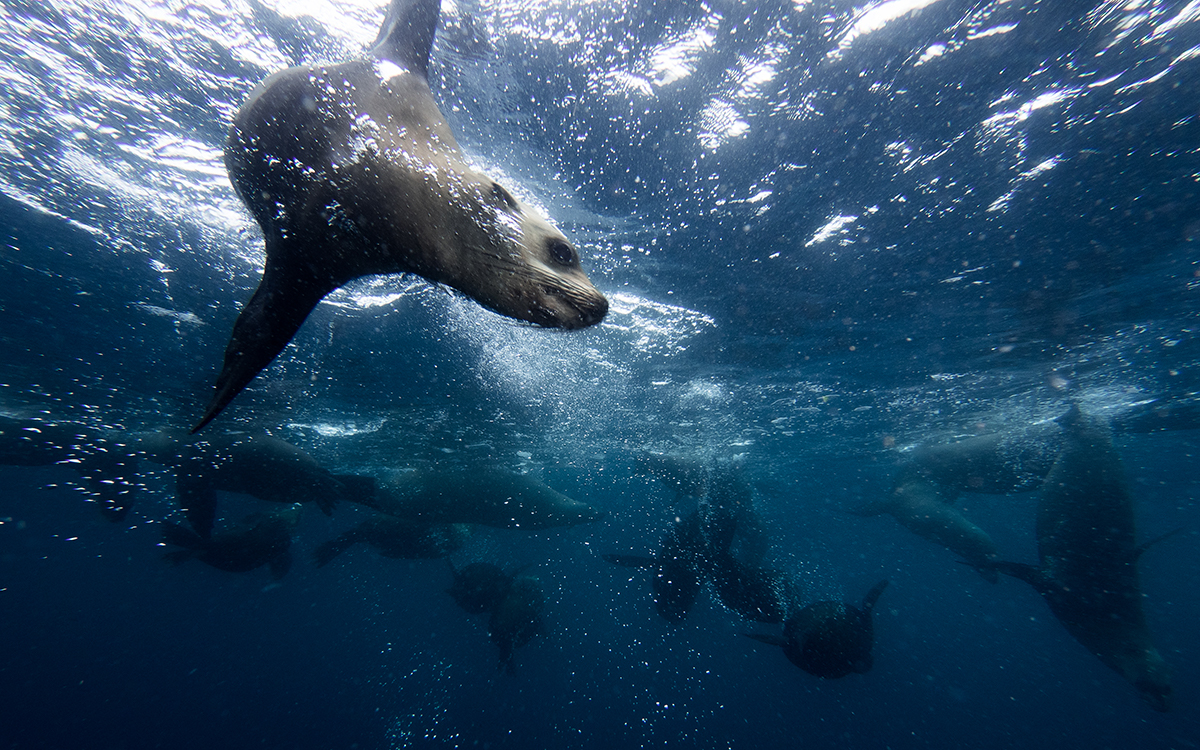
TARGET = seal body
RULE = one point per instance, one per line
(396, 538)
(259, 465)
(490, 496)
(479, 587)
(263, 540)
(352, 170)
(1088, 556)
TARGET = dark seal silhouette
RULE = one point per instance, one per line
(478, 587)
(829, 639)
(679, 568)
(397, 539)
(517, 618)
(265, 539)
(1088, 557)
(351, 170)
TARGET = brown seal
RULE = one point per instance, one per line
(352, 170)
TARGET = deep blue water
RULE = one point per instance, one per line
(828, 232)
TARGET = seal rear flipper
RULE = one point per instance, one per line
(179, 556)
(198, 500)
(1027, 573)
(631, 561)
(265, 326)
(770, 640)
(281, 564)
(869, 600)
(334, 547)
(358, 488)
(407, 34)
(181, 536)
(1137, 553)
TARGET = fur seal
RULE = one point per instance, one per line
(1088, 556)
(922, 507)
(108, 468)
(485, 495)
(260, 465)
(479, 587)
(352, 170)
(829, 639)
(396, 538)
(678, 568)
(265, 539)
(517, 618)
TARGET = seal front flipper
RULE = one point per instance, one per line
(770, 640)
(272, 316)
(407, 34)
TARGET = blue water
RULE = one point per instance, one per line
(828, 233)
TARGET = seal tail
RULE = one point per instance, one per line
(868, 602)
(265, 326)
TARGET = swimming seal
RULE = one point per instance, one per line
(397, 539)
(486, 495)
(1088, 557)
(264, 539)
(517, 618)
(829, 639)
(259, 465)
(352, 170)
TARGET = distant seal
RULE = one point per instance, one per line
(255, 464)
(265, 539)
(679, 568)
(396, 538)
(491, 496)
(478, 587)
(517, 618)
(830, 639)
(924, 491)
(1088, 571)
(352, 170)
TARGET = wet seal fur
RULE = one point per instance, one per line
(352, 170)
(1088, 556)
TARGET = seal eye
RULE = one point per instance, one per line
(561, 252)
(502, 195)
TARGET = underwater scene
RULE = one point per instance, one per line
(563, 374)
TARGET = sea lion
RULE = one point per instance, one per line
(923, 508)
(678, 567)
(935, 475)
(107, 467)
(264, 539)
(829, 639)
(1088, 556)
(260, 465)
(352, 170)
(396, 538)
(479, 587)
(517, 618)
(490, 496)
